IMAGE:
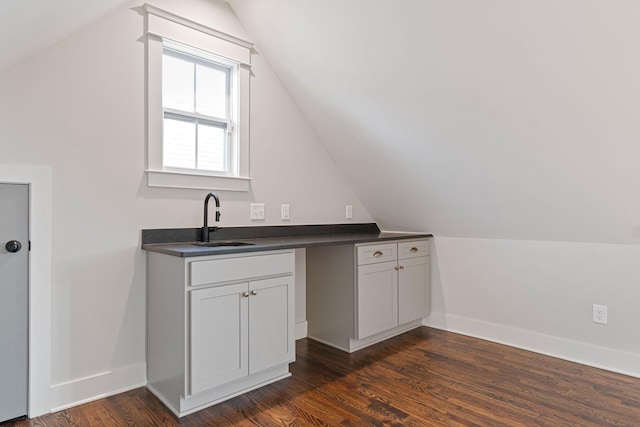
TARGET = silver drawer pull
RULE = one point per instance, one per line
(413, 250)
(377, 254)
(254, 292)
(245, 294)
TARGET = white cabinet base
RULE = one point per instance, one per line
(218, 326)
(358, 296)
(355, 344)
(214, 396)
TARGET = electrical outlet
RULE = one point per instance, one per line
(349, 212)
(285, 212)
(600, 314)
(257, 211)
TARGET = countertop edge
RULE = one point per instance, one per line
(189, 250)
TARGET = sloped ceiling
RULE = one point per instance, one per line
(26, 26)
(471, 118)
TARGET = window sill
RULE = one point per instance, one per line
(156, 178)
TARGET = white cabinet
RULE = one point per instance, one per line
(413, 296)
(377, 293)
(271, 323)
(364, 294)
(227, 321)
(218, 326)
(219, 336)
(391, 293)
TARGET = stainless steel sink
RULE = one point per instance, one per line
(223, 243)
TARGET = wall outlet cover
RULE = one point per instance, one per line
(257, 211)
(600, 314)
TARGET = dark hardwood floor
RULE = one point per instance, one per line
(424, 377)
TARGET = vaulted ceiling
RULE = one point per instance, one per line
(488, 118)
(27, 26)
(468, 118)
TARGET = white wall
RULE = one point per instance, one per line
(30, 25)
(501, 120)
(487, 120)
(490, 119)
(538, 295)
(78, 107)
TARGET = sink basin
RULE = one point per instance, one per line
(223, 243)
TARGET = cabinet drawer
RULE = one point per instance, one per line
(413, 249)
(369, 254)
(240, 268)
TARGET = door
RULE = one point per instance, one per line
(413, 290)
(14, 294)
(271, 323)
(219, 352)
(377, 298)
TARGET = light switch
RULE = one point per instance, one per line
(285, 212)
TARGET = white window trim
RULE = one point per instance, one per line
(159, 25)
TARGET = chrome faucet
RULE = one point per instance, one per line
(205, 228)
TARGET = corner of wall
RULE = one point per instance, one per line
(574, 351)
(87, 389)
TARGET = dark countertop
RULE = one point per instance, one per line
(182, 242)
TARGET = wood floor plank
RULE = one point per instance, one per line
(425, 377)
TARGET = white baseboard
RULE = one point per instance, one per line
(575, 351)
(94, 387)
(301, 330)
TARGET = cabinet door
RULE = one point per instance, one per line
(414, 293)
(271, 323)
(219, 336)
(377, 298)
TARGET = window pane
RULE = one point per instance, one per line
(177, 83)
(211, 148)
(211, 91)
(179, 144)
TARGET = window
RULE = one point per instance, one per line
(199, 117)
(197, 105)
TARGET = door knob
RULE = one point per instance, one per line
(13, 246)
